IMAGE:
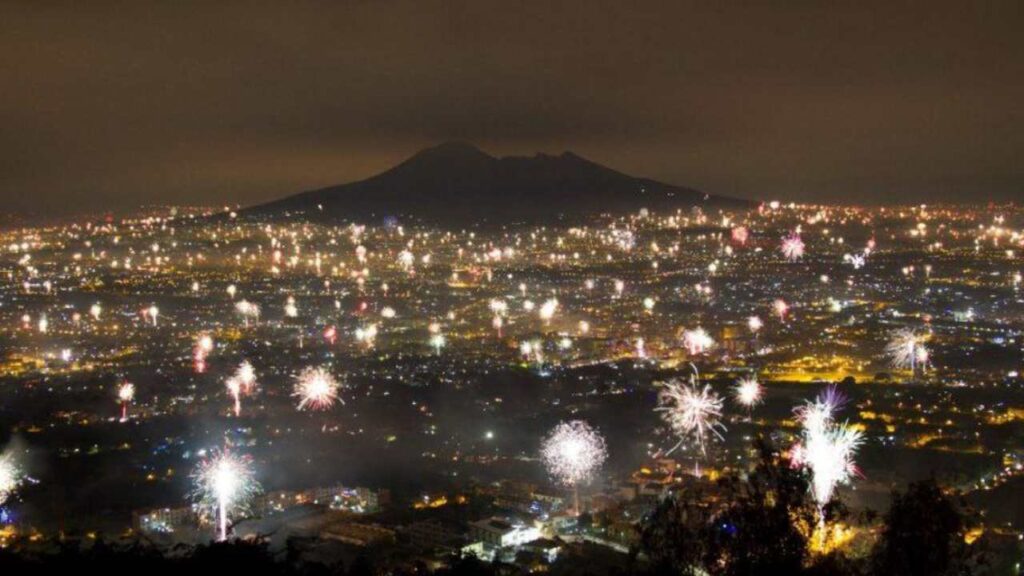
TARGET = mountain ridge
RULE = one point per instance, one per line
(456, 182)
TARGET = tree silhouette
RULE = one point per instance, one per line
(763, 526)
(923, 535)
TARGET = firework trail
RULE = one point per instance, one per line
(224, 485)
(125, 395)
(826, 448)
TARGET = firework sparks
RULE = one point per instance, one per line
(316, 389)
(907, 351)
(754, 324)
(224, 484)
(826, 447)
(248, 311)
(204, 345)
(438, 342)
(697, 341)
(125, 395)
(691, 412)
(153, 313)
(572, 452)
(781, 308)
(792, 247)
(548, 309)
(246, 376)
(10, 476)
(234, 387)
(748, 392)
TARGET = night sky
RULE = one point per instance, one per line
(107, 106)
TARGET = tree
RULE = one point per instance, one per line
(923, 535)
(674, 537)
(764, 526)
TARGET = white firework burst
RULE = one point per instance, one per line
(826, 448)
(907, 350)
(316, 389)
(572, 451)
(224, 485)
(697, 341)
(246, 376)
(692, 412)
(248, 310)
(748, 392)
(10, 476)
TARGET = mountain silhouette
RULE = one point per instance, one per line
(456, 182)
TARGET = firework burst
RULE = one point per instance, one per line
(697, 341)
(125, 395)
(10, 476)
(248, 310)
(792, 247)
(246, 376)
(234, 387)
(907, 351)
(693, 413)
(572, 451)
(826, 448)
(224, 485)
(748, 392)
(316, 389)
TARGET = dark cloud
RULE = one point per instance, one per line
(112, 105)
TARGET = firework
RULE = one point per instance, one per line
(248, 310)
(748, 392)
(572, 452)
(781, 308)
(754, 323)
(153, 312)
(697, 341)
(224, 484)
(316, 389)
(204, 345)
(10, 476)
(548, 309)
(406, 259)
(907, 351)
(792, 247)
(826, 448)
(367, 335)
(855, 260)
(437, 341)
(246, 376)
(234, 387)
(125, 395)
(290, 309)
(740, 234)
(691, 412)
